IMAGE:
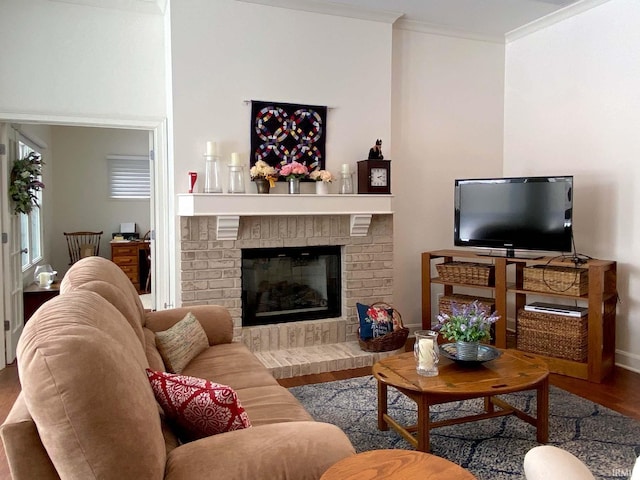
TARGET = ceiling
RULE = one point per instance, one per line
(490, 19)
(482, 17)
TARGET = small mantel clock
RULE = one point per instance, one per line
(374, 176)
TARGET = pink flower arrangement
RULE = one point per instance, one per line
(294, 170)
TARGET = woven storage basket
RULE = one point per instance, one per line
(552, 335)
(467, 272)
(444, 304)
(392, 340)
(549, 278)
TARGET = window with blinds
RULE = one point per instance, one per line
(129, 176)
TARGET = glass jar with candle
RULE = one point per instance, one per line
(346, 179)
(236, 175)
(44, 276)
(212, 180)
(212, 174)
(426, 353)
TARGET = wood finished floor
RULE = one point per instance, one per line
(618, 392)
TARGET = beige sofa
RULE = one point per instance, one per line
(87, 409)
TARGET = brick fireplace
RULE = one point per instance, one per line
(210, 266)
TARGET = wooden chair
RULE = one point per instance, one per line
(82, 244)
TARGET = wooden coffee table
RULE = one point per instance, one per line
(506, 374)
(396, 464)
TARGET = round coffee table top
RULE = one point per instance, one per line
(396, 464)
(511, 372)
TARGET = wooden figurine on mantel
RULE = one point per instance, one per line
(375, 152)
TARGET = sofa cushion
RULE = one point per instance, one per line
(98, 268)
(181, 343)
(215, 319)
(293, 450)
(271, 404)
(197, 407)
(82, 375)
(231, 364)
(151, 351)
(114, 296)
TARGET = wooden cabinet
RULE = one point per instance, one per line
(34, 296)
(132, 258)
(510, 297)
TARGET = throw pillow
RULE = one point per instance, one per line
(197, 408)
(181, 343)
(374, 321)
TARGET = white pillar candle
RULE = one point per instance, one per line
(425, 353)
(211, 148)
(235, 158)
(345, 168)
(43, 279)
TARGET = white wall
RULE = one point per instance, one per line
(572, 107)
(225, 52)
(447, 124)
(81, 187)
(68, 60)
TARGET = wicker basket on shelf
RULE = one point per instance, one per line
(444, 304)
(392, 340)
(553, 335)
(551, 278)
(469, 273)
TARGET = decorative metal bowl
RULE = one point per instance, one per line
(486, 353)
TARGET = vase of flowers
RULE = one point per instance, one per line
(293, 172)
(263, 175)
(322, 178)
(25, 183)
(467, 325)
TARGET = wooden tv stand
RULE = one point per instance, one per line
(510, 296)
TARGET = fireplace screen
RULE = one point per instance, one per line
(290, 284)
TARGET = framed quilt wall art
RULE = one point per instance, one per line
(285, 132)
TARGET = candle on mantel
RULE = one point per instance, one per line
(235, 159)
(346, 168)
(425, 353)
(211, 149)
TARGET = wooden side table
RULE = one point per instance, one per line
(33, 296)
(396, 464)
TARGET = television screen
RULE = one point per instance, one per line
(527, 213)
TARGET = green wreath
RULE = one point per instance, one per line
(25, 183)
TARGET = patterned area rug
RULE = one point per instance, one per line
(492, 449)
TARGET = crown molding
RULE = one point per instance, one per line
(336, 9)
(154, 7)
(435, 29)
(553, 18)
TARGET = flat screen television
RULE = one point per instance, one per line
(518, 213)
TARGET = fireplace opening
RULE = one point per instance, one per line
(290, 284)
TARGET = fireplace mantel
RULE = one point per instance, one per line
(228, 208)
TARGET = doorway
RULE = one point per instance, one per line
(83, 180)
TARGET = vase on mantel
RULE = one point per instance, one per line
(262, 185)
(322, 188)
(467, 351)
(294, 185)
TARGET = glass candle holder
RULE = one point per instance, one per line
(44, 276)
(236, 179)
(212, 183)
(346, 183)
(426, 353)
